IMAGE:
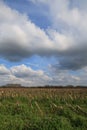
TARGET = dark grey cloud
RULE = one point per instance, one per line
(12, 51)
(73, 63)
(73, 60)
(20, 38)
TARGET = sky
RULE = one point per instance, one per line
(43, 42)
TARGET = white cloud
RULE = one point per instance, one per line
(26, 72)
(66, 38)
(4, 70)
(69, 32)
(66, 12)
(24, 75)
(19, 37)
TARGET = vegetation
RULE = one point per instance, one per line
(43, 108)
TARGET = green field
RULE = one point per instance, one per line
(43, 109)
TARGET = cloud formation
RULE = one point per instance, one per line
(19, 37)
(68, 33)
(27, 76)
(66, 39)
(24, 75)
(4, 70)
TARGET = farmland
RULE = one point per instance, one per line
(43, 108)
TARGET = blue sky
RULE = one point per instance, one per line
(36, 13)
(43, 42)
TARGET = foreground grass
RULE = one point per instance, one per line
(43, 109)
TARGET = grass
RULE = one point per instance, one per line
(43, 109)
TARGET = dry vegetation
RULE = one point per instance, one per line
(43, 108)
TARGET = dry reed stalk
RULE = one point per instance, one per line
(80, 109)
(72, 108)
(37, 105)
(54, 105)
(71, 97)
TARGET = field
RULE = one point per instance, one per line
(43, 108)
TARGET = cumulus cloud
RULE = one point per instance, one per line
(19, 37)
(24, 75)
(27, 76)
(72, 23)
(66, 39)
(4, 70)
(23, 71)
(65, 77)
(68, 33)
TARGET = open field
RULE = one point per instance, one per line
(43, 108)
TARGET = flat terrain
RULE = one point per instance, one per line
(43, 108)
